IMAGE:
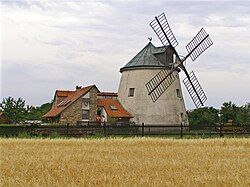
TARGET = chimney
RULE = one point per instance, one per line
(78, 87)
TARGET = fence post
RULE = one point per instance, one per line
(104, 129)
(181, 129)
(210, 130)
(221, 130)
(142, 130)
(67, 129)
(25, 129)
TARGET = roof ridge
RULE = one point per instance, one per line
(65, 90)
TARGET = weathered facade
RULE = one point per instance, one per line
(74, 106)
(133, 95)
(74, 113)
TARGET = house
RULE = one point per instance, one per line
(84, 104)
(4, 119)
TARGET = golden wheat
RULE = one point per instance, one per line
(125, 162)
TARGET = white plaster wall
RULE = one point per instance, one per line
(103, 112)
(86, 95)
(166, 110)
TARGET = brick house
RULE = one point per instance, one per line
(85, 104)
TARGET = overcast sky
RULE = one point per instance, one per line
(57, 45)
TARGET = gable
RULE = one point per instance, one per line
(71, 98)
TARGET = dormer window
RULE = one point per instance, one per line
(112, 107)
(64, 103)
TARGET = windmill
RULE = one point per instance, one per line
(162, 80)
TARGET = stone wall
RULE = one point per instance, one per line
(92, 104)
(73, 113)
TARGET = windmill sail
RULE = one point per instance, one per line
(195, 90)
(161, 81)
(198, 44)
(163, 31)
(159, 84)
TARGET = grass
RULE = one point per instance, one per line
(125, 162)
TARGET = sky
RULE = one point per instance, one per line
(49, 45)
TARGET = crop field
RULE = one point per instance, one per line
(125, 162)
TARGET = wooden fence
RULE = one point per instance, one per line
(106, 130)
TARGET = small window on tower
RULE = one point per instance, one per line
(131, 92)
(178, 93)
(182, 117)
(174, 58)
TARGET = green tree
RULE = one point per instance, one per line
(229, 111)
(243, 114)
(36, 113)
(14, 108)
(203, 116)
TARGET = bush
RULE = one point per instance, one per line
(24, 135)
(11, 130)
(203, 116)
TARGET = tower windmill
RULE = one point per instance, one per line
(162, 80)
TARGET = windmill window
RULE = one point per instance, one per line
(178, 93)
(174, 58)
(131, 92)
(182, 117)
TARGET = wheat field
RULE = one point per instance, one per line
(125, 162)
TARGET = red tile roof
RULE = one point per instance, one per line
(63, 93)
(108, 94)
(118, 112)
(72, 97)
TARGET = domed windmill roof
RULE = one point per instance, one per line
(146, 58)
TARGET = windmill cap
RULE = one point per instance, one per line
(146, 58)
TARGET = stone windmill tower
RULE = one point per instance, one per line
(150, 86)
(132, 93)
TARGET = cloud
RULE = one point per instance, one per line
(57, 45)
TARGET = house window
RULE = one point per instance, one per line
(85, 114)
(178, 93)
(85, 103)
(131, 92)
